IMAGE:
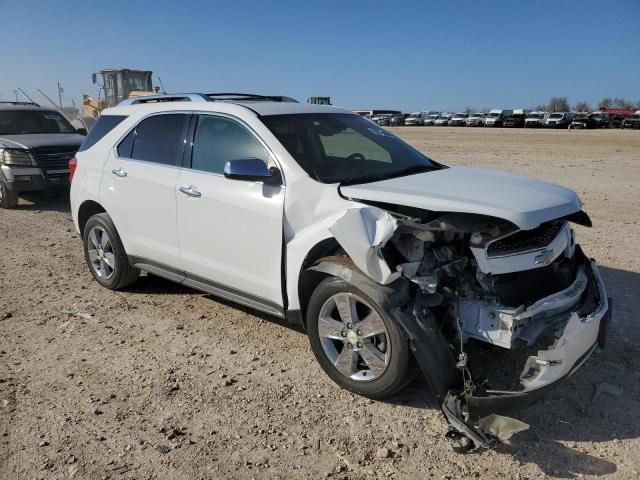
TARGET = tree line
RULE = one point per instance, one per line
(561, 104)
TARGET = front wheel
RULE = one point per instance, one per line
(8, 198)
(355, 341)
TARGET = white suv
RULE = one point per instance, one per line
(315, 215)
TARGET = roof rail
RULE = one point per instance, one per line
(238, 97)
(205, 97)
(7, 102)
(171, 97)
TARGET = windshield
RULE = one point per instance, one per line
(476, 115)
(556, 115)
(345, 148)
(461, 115)
(138, 81)
(414, 115)
(494, 115)
(581, 116)
(22, 122)
(535, 115)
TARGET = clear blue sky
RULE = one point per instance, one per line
(404, 54)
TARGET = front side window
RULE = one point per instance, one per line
(22, 122)
(345, 148)
(157, 139)
(218, 140)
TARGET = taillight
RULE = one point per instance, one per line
(73, 164)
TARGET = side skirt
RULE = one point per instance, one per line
(207, 286)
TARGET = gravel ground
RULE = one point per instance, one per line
(160, 381)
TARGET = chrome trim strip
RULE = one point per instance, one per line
(274, 157)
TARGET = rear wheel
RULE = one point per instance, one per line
(355, 341)
(105, 255)
(8, 198)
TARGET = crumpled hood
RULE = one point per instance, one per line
(526, 202)
(42, 140)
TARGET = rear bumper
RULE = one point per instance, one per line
(34, 179)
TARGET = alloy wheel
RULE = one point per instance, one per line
(354, 337)
(100, 250)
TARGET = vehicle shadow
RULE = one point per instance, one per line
(573, 418)
(42, 202)
(153, 284)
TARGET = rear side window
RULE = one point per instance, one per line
(104, 125)
(157, 139)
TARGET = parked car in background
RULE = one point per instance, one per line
(443, 119)
(475, 119)
(559, 120)
(613, 117)
(632, 122)
(615, 121)
(416, 118)
(601, 119)
(517, 118)
(496, 117)
(535, 119)
(458, 119)
(384, 119)
(36, 145)
(398, 120)
(431, 119)
(583, 120)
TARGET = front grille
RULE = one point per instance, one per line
(526, 240)
(54, 158)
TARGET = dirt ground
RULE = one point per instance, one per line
(160, 381)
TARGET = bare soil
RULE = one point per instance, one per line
(160, 381)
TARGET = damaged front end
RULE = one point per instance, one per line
(495, 315)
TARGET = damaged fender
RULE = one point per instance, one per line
(362, 232)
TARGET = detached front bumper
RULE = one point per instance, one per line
(580, 337)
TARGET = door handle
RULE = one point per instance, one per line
(119, 172)
(190, 191)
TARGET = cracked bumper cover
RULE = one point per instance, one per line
(581, 336)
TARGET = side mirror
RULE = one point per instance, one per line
(252, 170)
(82, 131)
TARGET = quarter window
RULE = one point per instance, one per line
(104, 125)
(218, 140)
(157, 139)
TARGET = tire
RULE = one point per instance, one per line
(8, 198)
(398, 368)
(108, 263)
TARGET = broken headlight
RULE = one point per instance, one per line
(17, 157)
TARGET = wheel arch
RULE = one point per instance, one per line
(308, 280)
(87, 209)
